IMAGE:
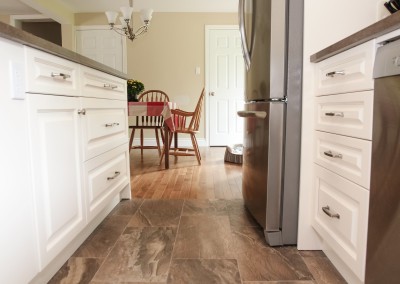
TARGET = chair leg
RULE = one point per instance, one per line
(196, 148)
(131, 139)
(163, 150)
(141, 143)
(158, 141)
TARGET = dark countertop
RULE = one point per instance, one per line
(375, 30)
(19, 36)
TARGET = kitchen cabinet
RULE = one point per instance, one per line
(69, 143)
(55, 137)
(342, 157)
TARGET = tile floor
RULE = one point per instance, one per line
(188, 242)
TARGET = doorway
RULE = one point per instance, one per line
(225, 85)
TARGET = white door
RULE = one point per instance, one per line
(102, 45)
(226, 86)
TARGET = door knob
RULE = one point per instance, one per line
(212, 94)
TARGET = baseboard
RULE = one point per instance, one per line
(184, 142)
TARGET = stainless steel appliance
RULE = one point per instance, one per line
(271, 32)
(383, 248)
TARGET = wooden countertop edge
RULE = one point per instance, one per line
(375, 30)
(19, 36)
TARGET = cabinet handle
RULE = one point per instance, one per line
(110, 86)
(82, 111)
(62, 75)
(333, 155)
(112, 124)
(115, 175)
(334, 73)
(336, 113)
(328, 212)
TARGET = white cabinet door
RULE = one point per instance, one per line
(56, 166)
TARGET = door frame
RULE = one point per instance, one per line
(105, 27)
(208, 29)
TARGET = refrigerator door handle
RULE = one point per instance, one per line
(256, 114)
(246, 52)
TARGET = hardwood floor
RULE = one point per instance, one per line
(185, 179)
(188, 225)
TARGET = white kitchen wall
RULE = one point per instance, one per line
(325, 22)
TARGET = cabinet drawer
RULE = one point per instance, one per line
(105, 176)
(346, 233)
(49, 74)
(104, 125)
(101, 85)
(346, 114)
(346, 156)
(346, 72)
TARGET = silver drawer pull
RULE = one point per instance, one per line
(334, 73)
(62, 75)
(115, 175)
(110, 86)
(82, 111)
(336, 113)
(333, 155)
(112, 124)
(328, 212)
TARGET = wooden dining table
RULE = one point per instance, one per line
(156, 109)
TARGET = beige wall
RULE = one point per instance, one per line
(166, 57)
(5, 19)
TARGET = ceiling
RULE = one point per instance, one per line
(16, 7)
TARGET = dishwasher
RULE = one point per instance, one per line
(383, 243)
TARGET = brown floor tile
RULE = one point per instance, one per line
(204, 271)
(104, 237)
(312, 253)
(158, 213)
(280, 282)
(238, 214)
(323, 270)
(140, 255)
(127, 207)
(77, 270)
(205, 207)
(204, 237)
(259, 262)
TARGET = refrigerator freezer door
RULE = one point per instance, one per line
(262, 163)
(265, 78)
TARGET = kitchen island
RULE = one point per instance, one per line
(65, 158)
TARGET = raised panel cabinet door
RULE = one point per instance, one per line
(56, 166)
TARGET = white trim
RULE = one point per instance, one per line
(15, 20)
(209, 28)
(106, 27)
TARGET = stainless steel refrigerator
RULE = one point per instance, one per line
(271, 32)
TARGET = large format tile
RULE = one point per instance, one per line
(280, 282)
(127, 207)
(239, 215)
(204, 271)
(323, 270)
(140, 255)
(159, 213)
(77, 270)
(203, 237)
(104, 237)
(259, 262)
(193, 207)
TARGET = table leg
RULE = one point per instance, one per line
(167, 133)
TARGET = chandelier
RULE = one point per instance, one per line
(126, 21)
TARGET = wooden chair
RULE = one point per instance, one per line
(149, 122)
(186, 123)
